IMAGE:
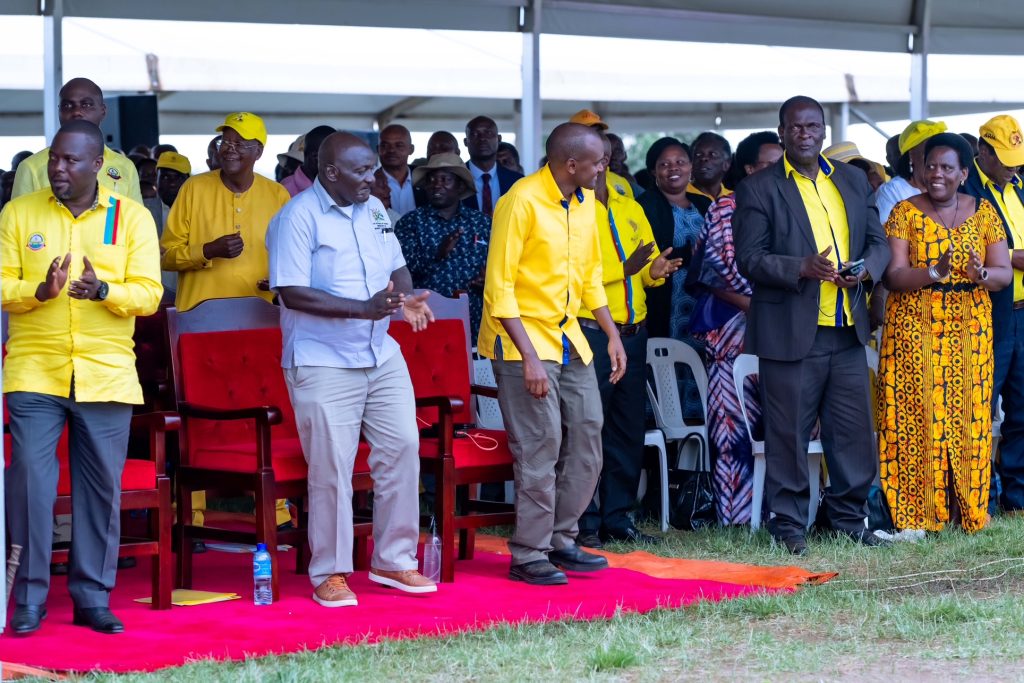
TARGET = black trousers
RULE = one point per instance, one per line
(831, 384)
(622, 436)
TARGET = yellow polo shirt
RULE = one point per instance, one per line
(50, 342)
(696, 190)
(621, 227)
(543, 265)
(205, 210)
(827, 213)
(1013, 212)
(117, 175)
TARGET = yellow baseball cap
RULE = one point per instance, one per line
(919, 131)
(1003, 134)
(586, 117)
(175, 162)
(248, 125)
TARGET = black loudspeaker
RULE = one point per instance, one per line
(131, 120)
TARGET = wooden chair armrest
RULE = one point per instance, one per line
(444, 404)
(485, 391)
(268, 414)
(162, 421)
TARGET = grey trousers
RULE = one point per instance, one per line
(556, 447)
(332, 406)
(98, 446)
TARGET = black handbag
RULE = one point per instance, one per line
(879, 515)
(691, 495)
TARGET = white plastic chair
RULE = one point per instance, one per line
(997, 427)
(655, 439)
(744, 366)
(663, 354)
(488, 414)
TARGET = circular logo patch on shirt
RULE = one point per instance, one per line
(620, 189)
(114, 173)
(36, 241)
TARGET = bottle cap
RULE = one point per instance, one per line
(261, 547)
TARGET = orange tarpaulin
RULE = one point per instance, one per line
(677, 568)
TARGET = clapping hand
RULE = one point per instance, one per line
(384, 303)
(663, 266)
(87, 285)
(56, 278)
(638, 259)
(975, 271)
(416, 311)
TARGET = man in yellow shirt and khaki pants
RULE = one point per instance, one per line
(543, 264)
(79, 263)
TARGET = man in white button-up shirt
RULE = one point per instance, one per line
(340, 274)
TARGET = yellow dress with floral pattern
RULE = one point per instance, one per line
(934, 385)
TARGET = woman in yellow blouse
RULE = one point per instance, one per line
(934, 399)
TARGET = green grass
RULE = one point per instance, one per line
(947, 608)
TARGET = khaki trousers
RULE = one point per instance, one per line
(556, 447)
(332, 406)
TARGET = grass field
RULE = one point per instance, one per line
(946, 608)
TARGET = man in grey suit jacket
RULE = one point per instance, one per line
(796, 226)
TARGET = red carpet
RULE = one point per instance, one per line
(480, 596)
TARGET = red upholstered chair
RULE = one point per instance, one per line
(459, 455)
(144, 486)
(238, 428)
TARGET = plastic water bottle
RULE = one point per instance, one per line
(432, 555)
(262, 576)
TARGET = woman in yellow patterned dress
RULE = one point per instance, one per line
(934, 398)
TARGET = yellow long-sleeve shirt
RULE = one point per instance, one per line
(205, 210)
(621, 227)
(50, 342)
(543, 264)
(118, 175)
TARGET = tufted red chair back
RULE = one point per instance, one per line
(438, 364)
(233, 369)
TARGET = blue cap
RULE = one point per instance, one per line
(261, 547)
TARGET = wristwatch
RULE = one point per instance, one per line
(101, 293)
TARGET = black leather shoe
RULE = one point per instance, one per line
(538, 573)
(588, 539)
(573, 559)
(795, 545)
(631, 535)
(868, 538)
(198, 547)
(27, 619)
(99, 619)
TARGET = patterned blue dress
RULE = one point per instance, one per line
(688, 225)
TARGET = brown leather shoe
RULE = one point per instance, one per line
(334, 592)
(407, 580)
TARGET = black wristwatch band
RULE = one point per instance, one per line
(101, 293)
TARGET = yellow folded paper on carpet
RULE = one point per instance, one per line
(183, 597)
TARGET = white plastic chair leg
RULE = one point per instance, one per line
(757, 497)
(814, 474)
(656, 439)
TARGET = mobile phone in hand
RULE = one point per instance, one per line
(852, 268)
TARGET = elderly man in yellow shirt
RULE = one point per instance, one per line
(630, 262)
(81, 99)
(543, 265)
(215, 235)
(79, 263)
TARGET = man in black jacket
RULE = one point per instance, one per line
(796, 226)
(492, 179)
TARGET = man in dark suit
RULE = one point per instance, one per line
(492, 179)
(796, 226)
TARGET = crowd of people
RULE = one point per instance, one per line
(798, 255)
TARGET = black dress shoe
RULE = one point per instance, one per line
(99, 619)
(27, 619)
(538, 573)
(573, 559)
(631, 535)
(795, 545)
(868, 538)
(198, 547)
(588, 539)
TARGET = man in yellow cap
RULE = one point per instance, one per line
(80, 98)
(994, 176)
(172, 170)
(585, 117)
(215, 235)
(910, 178)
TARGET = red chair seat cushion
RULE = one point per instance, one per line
(286, 454)
(468, 453)
(138, 475)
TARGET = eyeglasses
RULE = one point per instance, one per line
(236, 146)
